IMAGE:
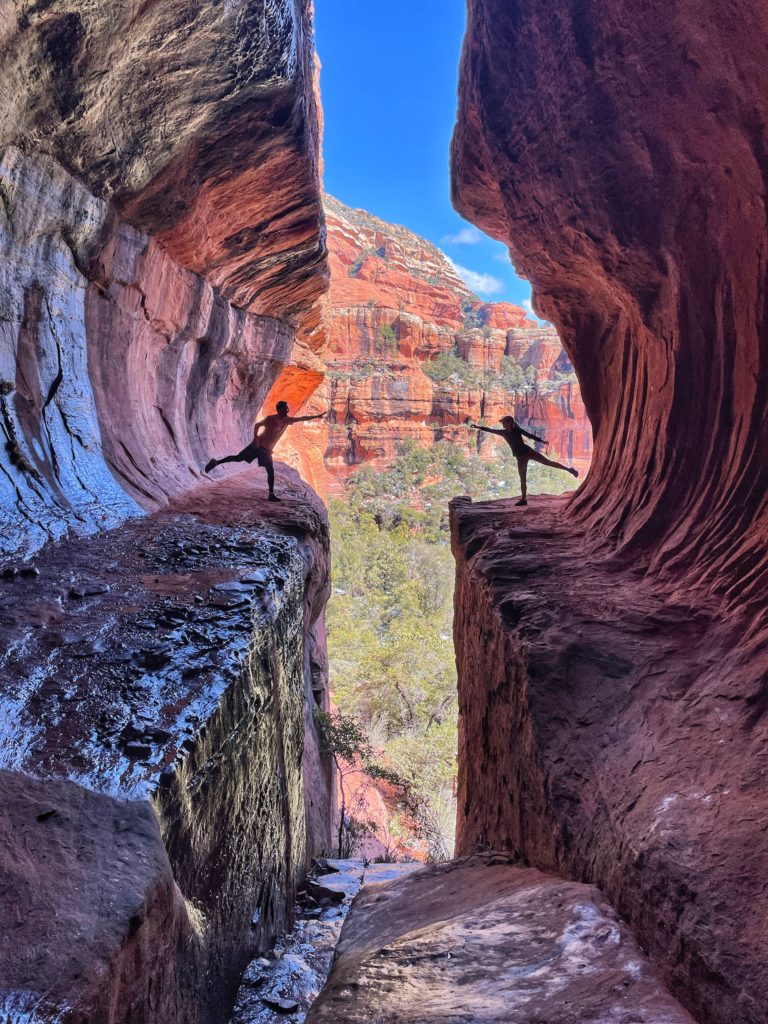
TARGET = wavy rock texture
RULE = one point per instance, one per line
(163, 247)
(635, 205)
(620, 149)
(396, 303)
(162, 785)
(482, 940)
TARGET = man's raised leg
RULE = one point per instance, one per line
(246, 455)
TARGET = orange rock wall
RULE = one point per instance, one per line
(163, 248)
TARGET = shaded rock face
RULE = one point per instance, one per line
(162, 782)
(611, 734)
(163, 248)
(620, 149)
(629, 181)
(396, 304)
(482, 940)
(200, 123)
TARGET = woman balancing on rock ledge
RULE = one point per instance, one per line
(266, 434)
(513, 434)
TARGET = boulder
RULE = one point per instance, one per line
(481, 939)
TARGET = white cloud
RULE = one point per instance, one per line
(528, 306)
(503, 257)
(483, 284)
(465, 236)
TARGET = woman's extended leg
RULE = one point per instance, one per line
(522, 469)
(538, 457)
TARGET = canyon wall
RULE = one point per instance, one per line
(612, 648)
(162, 266)
(395, 305)
(163, 248)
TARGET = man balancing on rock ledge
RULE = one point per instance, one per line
(513, 434)
(266, 434)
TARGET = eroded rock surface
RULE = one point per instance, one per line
(482, 940)
(619, 149)
(614, 734)
(160, 679)
(162, 244)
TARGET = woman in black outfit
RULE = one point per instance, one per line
(513, 434)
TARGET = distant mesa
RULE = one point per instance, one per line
(413, 353)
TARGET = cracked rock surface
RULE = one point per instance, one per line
(482, 940)
(162, 784)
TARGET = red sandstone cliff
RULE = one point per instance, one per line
(612, 651)
(397, 304)
(162, 263)
(163, 253)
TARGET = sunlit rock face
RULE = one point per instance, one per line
(396, 303)
(162, 788)
(163, 247)
(618, 690)
(480, 939)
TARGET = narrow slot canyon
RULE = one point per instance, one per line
(386, 738)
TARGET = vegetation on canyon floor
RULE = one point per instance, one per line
(392, 665)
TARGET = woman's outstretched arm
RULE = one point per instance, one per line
(488, 430)
(533, 437)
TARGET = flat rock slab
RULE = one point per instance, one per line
(117, 650)
(375, 873)
(481, 940)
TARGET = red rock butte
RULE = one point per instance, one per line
(612, 648)
(396, 304)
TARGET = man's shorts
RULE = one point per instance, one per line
(255, 453)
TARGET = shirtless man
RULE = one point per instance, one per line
(513, 434)
(266, 434)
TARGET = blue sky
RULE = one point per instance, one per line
(389, 96)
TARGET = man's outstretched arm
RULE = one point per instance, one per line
(303, 419)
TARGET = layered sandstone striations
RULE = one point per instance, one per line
(396, 305)
(482, 940)
(162, 242)
(612, 653)
(162, 785)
